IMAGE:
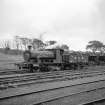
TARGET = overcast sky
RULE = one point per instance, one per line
(74, 22)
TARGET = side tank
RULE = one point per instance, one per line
(33, 54)
(58, 55)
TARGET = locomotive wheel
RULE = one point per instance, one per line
(43, 68)
(36, 68)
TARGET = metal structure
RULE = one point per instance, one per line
(57, 59)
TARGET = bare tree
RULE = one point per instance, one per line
(25, 41)
(37, 43)
(2, 44)
(7, 45)
(17, 42)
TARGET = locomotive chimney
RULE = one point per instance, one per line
(29, 48)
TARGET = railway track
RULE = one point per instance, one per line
(70, 92)
(12, 71)
(13, 81)
(15, 71)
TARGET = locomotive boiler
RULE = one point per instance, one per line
(43, 60)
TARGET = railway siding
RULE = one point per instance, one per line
(12, 82)
(82, 98)
(41, 93)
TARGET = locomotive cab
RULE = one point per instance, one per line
(52, 62)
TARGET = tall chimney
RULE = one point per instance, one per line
(29, 48)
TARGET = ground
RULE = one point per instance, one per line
(7, 61)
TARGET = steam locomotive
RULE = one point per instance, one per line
(57, 59)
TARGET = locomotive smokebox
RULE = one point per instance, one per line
(27, 53)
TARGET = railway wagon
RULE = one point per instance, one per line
(77, 60)
(96, 59)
